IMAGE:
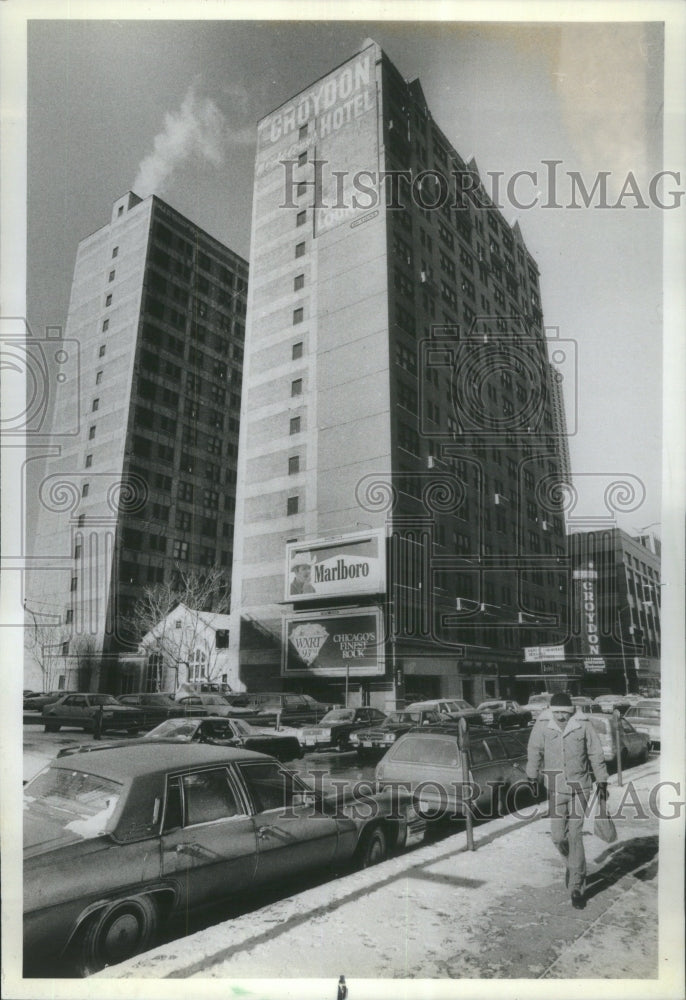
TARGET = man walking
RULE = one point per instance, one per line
(567, 749)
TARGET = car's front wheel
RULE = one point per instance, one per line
(120, 931)
(373, 848)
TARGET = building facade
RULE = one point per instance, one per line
(146, 484)
(617, 603)
(398, 531)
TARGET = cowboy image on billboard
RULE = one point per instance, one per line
(347, 566)
(301, 573)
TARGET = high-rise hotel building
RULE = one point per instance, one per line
(145, 484)
(398, 529)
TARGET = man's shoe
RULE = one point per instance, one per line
(578, 901)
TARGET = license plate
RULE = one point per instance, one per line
(310, 741)
(366, 743)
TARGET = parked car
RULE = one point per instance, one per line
(452, 708)
(430, 762)
(119, 840)
(155, 706)
(644, 716)
(634, 746)
(207, 703)
(284, 744)
(504, 714)
(377, 739)
(79, 710)
(335, 728)
(291, 709)
(610, 702)
(218, 731)
(585, 705)
(537, 703)
(37, 702)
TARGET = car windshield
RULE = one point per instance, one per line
(213, 699)
(542, 698)
(339, 715)
(462, 705)
(102, 699)
(647, 709)
(173, 729)
(155, 699)
(61, 804)
(490, 704)
(242, 727)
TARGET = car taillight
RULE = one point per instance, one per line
(389, 738)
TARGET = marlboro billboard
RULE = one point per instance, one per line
(349, 566)
(333, 644)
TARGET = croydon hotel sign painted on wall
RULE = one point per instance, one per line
(335, 642)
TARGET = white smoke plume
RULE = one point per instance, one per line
(197, 129)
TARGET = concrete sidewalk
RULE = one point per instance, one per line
(443, 912)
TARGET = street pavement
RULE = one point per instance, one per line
(443, 912)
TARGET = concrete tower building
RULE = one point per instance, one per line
(146, 482)
(396, 527)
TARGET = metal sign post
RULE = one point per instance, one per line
(618, 745)
(463, 744)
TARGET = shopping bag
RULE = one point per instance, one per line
(603, 826)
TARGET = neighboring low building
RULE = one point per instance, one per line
(617, 604)
(188, 647)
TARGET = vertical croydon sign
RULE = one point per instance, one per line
(585, 581)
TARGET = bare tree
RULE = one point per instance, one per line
(196, 595)
(84, 650)
(45, 645)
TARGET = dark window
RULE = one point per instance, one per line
(295, 425)
(208, 796)
(95, 405)
(91, 432)
(296, 387)
(298, 282)
(293, 464)
(302, 159)
(301, 218)
(292, 504)
(269, 785)
(299, 249)
(298, 315)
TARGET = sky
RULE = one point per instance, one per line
(171, 107)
